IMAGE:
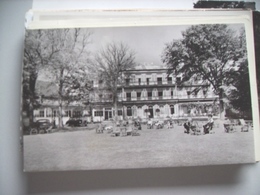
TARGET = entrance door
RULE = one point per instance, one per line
(151, 112)
(108, 114)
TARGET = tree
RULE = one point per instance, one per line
(239, 94)
(256, 23)
(36, 56)
(68, 66)
(206, 53)
(224, 4)
(110, 63)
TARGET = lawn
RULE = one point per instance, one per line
(84, 149)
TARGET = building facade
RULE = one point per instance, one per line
(152, 93)
(143, 93)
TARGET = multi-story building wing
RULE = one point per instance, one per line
(152, 93)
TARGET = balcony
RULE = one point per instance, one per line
(149, 83)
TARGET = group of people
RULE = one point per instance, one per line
(190, 125)
(159, 124)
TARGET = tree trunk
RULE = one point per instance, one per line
(60, 97)
(30, 114)
(60, 114)
(115, 107)
(32, 83)
(222, 111)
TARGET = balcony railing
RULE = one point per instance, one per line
(145, 83)
(168, 97)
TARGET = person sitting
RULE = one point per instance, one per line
(187, 125)
(137, 125)
(150, 124)
(209, 125)
(169, 124)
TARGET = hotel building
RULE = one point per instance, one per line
(152, 93)
(144, 93)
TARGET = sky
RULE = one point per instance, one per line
(147, 42)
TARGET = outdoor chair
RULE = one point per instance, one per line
(128, 131)
(229, 128)
(169, 124)
(116, 132)
(100, 129)
(135, 132)
(245, 127)
(195, 129)
(149, 124)
(208, 128)
(108, 129)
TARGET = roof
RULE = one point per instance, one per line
(149, 67)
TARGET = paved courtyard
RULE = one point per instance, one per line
(83, 149)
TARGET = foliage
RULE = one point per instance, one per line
(256, 23)
(208, 53)
(36, 57)
(68, 67)
(62, 55)
(222, 4)
(109, 64)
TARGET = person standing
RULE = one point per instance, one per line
(187, 125)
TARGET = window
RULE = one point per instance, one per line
(119, 113)
(160, 94)
(127, 81)
(159, 80)
(98, 113)
(100, 96)
(196, 93)
(100, 82)
(204, 92)
(41, 113)
(171, 93)
(55, 113)
(129, 111)
(147, 80)
(138, 94)
(172, 109)
(139, 81)
(169, 79)
(49, 113)
(178, 80)
(77, 113)
(149, 94)
(128, 96)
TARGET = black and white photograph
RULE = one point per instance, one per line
(136, 97)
